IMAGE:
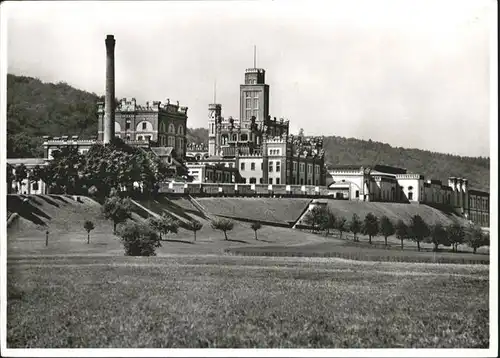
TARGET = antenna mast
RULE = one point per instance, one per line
(254, 56)
(215, 91)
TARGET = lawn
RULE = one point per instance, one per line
(282, 211)
(217, 301)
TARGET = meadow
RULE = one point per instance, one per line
(217, 301)
(72, 294)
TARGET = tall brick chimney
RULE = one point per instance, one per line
(109, 101)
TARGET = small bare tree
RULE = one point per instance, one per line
(88, 226)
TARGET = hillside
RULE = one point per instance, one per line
(35, 109)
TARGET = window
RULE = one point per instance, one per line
(144, 125)
(127, 125)
(128, 137)
(253, 180)
(294, 166)
(261, 180)
(410, 196)
(317, 169)
(261, 166)
(277, 181)
(278, 167)
(357, 193)
(230, 165)
(308, 181)
(302, 167)
(270, 166)
(252, 166)
(242, 166)
(244, 137)
(212, 128)
(270, 180)
(34, 186)
(139, 137)
(309, 168)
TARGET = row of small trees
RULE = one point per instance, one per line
(322, 219)
(142, 238)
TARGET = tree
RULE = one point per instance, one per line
(66, 170)
(328, 221)
(386, 228)
(402, 231)
(194, 226)
(117, 209)
(88, 226)
(341, 225)
(255, 227)
(314, 217)
(355, 226)
(10, 177)
(138, 239)
(163, 224)
(456, 235)
(20, 175)
(475, 238)
(223, 225)
(370, 226)
(419, 230)
(438, 236)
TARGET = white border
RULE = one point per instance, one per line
(491, 352)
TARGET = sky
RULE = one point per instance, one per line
(414, 74)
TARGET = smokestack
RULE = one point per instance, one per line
(109, 101)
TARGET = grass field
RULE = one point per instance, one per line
(70, 294)
(216, 301)
(281, 211)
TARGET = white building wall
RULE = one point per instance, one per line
(415, 184)
(247, 172)
(353, 178)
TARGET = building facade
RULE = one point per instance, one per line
(392, 184)
(28, 185)
(260, 147)
(164, 124)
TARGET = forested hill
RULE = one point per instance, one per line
(35, 109)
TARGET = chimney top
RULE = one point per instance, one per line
(110, 37)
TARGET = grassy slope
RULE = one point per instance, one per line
(281, 211)
(394, 211)
(244, 302)
(64, 218)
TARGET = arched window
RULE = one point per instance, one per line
(244, 137)
(235, 137)
(171, 128)
(180, 130)
(162, 127)
(118, 128)
(224, 139)
(144, 126)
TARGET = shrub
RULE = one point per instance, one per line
(88, 226)
(223, 225)
(138, 239)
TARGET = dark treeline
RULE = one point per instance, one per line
(35, 109)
